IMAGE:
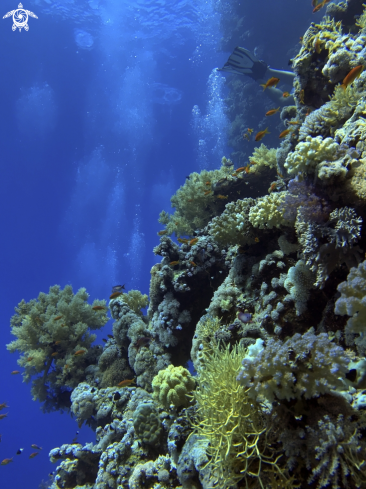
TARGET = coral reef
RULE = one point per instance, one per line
(248, 368)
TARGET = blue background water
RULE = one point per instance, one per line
(106, 106)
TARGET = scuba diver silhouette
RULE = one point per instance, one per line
(243, 62)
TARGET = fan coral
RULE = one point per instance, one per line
(301, 367)
(172, 385)
(50, 330)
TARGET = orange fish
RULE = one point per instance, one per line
(207, 192)
(54, 354)
(193, 241)
(15, 372)
(272, 112)
(161, 233)
(3, 406)
(57, 318)
(272, 82)
(252, 162)
(29, 359)
(6, 461)
(2, 416)
(57, 342)
(36, 447)
(352, 75)
(34, 454)
(260, 135)
(115, 294)
(183, 241)
(293, 123)
(79, 352)
(207, 183)
(256, 240)
(239, 170)
(318, 7)
(247, 169)
(301, 96)
(98, 308)
(222, 197)
(174, 263)
(250, 130)
(273, 186)
(284, 133)
(286, 94)
(192, 263)
(126, 382)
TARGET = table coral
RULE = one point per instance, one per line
(50, 330)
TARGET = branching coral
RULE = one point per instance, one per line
(261, 157)
(304, 366)
(232, 422)
(266, 213)
(54, 337)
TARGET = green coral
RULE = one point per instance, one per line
(172, 385)
(147, 423)
(267, 213)
(262, 157)
(232, 226)
(49, 331)
(195, 202)
(135, 300)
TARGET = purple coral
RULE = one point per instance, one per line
(301, 196)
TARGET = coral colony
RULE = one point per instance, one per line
(278, 397)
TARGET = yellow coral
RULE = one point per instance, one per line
(238, 447)
(266, 213)
(263, 156)
(172, 385)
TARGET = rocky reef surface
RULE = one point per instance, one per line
(263, 292)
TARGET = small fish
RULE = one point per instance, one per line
(6, 461)
(57, 318)
(252, 162)
(239, 170)
(66, 366)
(273, 186)
(114, 295)
(192, 263)
(260, 135)
(284, 133)
(301, 96)
(110, 336)
(126, 382)
(293, 123)
(57, 342)
(54, 354)
(244, 317)
(193, 241)
(99, 308)
(19, 452)
(3, 406)
(36, 447)
(272, 82)
(2, 416)
(246, 136)
(118, 288)
(29, 359)
(183, 241)
(174, 263)
(256, 240)
(207, 192)
(34, 454)
(286, 94)
(142, 341)
(352, 75)
(272, 112)
(318, 7)
(250, 130)
(222, 197)
(161, 233)
(79, 352)
(207, 183)
(247, 169)
(105, 341)
(15, 372)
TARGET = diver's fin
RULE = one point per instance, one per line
(243, 62)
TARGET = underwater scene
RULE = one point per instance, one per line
(183, 251)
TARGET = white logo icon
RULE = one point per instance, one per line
(20, 18)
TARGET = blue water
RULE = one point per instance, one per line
(106, 107)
